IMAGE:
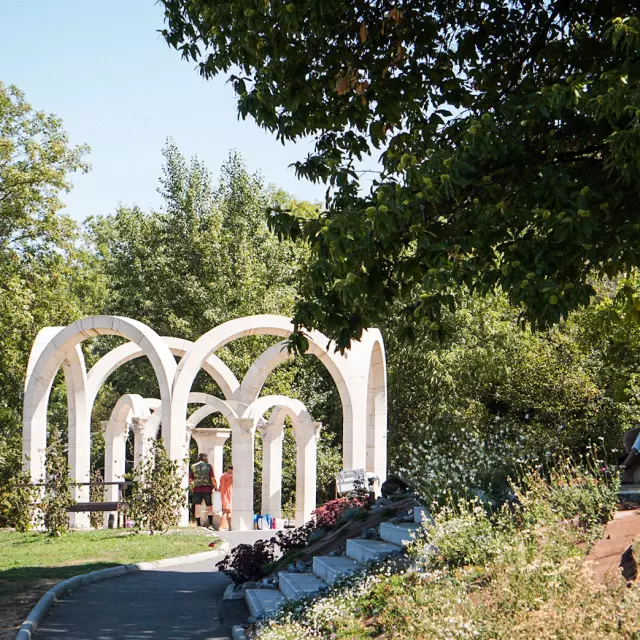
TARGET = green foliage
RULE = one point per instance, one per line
(508, 133)
(157, 494)
(46, 277)
(16, 502)
(207, 257)
(57, 487)
(96, 494)
(466, 407)
(516, 573)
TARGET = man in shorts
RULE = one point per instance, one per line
(203, 481)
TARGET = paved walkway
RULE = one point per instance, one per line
(177, 603)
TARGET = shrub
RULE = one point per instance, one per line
(247, 561)
(57, 487)
(16, 502)
(96, 494)
(516, 572)
(297, 538)
(461, 534)
(329, 515)
(252, 562)
(156, 493)
(442, 466)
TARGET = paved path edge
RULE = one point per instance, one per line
(42, 607)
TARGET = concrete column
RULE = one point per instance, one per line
(272, 438)
(115, 447)
(242, 442)
(140, 441)
(79, 440)
(211, 442)
(306, 470)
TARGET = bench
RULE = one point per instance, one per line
(120, 506)
(346, 481)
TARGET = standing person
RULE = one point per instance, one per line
(226, 488)
(202, 478)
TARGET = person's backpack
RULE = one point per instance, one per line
(201, 474)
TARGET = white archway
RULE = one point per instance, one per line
(360, 377)
(354, 425)
(60, 346)
(376, 460)
(306, 433)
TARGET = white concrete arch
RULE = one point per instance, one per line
(360, 377)
(214, 366)
(376, 461)
(48, 357)
(210, 441)
(79, 434)
(306, 433)
(128, 408)
(230, 409)
(131, 410)
(75, 375)
(354, 427)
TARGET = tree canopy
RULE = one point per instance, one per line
(46, 277)
(508, 133)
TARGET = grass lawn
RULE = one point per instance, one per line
(31, 563)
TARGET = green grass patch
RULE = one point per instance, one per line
(27, 557)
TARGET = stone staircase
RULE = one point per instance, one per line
(327, 569)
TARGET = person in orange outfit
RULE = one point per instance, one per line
(226, 488)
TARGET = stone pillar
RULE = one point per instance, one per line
(211, 442)
(140, 440)
(272, 438)
(115, 447)
(306, 470)
(79, 438)
(242, 442)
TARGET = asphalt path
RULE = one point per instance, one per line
(176, 603)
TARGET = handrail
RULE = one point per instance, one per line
(126, 483)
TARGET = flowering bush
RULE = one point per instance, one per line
(442, 466)
(328, 515)
(513, 573)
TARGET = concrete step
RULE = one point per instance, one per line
(362, 550)
(263, 602)
(331, 568)
(400, 534)
(299, 585)
(629, 493)
(420, 514)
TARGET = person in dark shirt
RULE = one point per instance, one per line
(203, 481)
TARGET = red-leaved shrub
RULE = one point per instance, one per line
(327, 516)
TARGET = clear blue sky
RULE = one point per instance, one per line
(102, 67)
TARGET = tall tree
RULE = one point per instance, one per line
(207, 257)
(45, 277)
(509, 138)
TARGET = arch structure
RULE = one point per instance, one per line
(359, 375)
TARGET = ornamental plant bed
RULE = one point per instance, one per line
(354, 528)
